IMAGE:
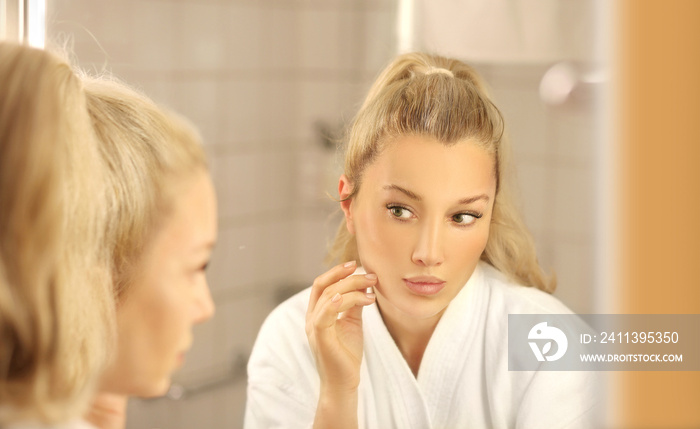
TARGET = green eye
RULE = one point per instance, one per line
(465, 218)
(399, 212)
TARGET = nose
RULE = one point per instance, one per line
(429, 248)
(203, 303)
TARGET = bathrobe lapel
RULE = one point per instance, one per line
(402, 400)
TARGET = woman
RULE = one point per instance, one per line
(56, 306)
(429, 216)
(161, 232)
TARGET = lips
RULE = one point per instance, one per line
(424, 285)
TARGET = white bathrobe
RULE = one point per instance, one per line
(463, 380)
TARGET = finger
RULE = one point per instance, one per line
(354, 299)
(328, 313)
(344, 286)
(328, 278)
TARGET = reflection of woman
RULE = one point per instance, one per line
(429, 217)
(161, 230)
(56, 304)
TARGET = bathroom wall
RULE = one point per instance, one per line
(257, 77)
(260, 78)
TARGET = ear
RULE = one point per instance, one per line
(344, 190)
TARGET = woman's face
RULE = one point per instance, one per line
(421, 220)
(168, 296)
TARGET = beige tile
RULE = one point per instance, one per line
(575, 205)
(202, 45)
(243, 33)
(525, 119)
(240, 264)
(241, 113)
(320, 39)
(534, 194)
(197, 100)
(281, 117)
(576, 273)
(156, 35)
(319, 103)
(278, 251)
(281, 41)
(238, 184)
(380, 39)
(201, 356)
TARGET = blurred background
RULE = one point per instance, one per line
(272, 84)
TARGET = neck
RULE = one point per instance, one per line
(410, 335)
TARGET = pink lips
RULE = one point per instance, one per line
(425, 285)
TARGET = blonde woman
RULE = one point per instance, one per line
(161, 232)
(429, 217)
(56, 306)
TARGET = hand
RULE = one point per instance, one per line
(108, 411)
(334, 326)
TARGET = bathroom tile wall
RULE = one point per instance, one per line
(556, 161)
(257, 77)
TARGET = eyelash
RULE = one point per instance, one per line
(475, 216)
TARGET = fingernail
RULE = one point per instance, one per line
(371, 276)
(349, 264)
(336, 298)
(370, 295)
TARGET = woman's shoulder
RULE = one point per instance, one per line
(516, 298)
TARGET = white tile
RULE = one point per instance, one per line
(281, 41)
(534, 195)
(160, 90)
(576, 274)
(238, 324)
(239, 186)
(232, 400)
(574, 202)
(319, 103)
(278, 254)
(241, 113)
(197, 100)
(351, 39)
(155, 35)
(202, 45)
(313, 237)
(576, 134)
(278, 182)
(320, 39)
(525, 120)
(352, 94)
(380, 39)
(281, 118)
(238, 259)
(195, 412)
(201, 355)
(243, 32)
(142, 413)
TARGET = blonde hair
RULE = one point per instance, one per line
(146, 149)
(56, 310)
(444, 99)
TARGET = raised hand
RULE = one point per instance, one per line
(334, 330)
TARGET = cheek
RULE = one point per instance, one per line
(381, 241)
(468, 248)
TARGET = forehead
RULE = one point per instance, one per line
(429, 167)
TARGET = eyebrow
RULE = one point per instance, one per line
(412, 195)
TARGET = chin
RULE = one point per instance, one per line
(155, 389)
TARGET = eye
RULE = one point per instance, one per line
(466, 218)
(400, 212)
